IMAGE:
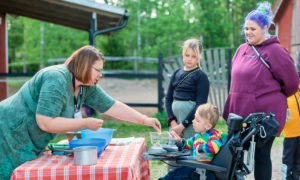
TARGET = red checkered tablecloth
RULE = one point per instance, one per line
(116, 162)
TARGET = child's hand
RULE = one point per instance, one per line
(178, 129)
(175, 136)
(200, 154)
(199, 150)
(173, 124)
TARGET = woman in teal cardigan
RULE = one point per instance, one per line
(49, 104)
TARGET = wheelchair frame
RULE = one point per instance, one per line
(230, 163)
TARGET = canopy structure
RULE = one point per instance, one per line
(71, 13)
(88, 15)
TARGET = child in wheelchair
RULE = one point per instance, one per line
(204, 145)
(229, 161)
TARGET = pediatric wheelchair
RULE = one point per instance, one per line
(236, 157)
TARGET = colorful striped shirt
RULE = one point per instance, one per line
(211, 143)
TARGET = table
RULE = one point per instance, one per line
(116, 162)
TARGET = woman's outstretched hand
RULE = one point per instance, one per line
(93, 123)
(153, 122)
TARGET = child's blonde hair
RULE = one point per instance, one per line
(195, 45)
(209, 112)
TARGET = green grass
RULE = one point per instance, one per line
(157, 168)
(278, 141)
(123, 130)
(221, 125)
(128, 130)
(17, 81)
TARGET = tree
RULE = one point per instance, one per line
(154, 26)
(15, 36)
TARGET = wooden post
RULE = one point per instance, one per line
(93, 28)
(298, 61)
(160, 83)
(3, 56)
(229, 69)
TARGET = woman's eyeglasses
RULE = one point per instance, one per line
(98, 70)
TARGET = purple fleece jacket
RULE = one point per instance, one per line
(253, 88)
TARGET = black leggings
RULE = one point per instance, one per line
(263, 163)
(291, 157)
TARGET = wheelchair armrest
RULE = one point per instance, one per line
(148, 156)
(202, 165)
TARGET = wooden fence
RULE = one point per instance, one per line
(136, 72)
(215, 62)
(298, 61)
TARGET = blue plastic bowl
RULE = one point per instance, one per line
(100, 143)
(103, 133)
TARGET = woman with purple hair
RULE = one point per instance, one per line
(263, 76)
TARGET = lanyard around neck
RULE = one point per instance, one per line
(80, 93)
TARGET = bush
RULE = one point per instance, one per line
(163, 118)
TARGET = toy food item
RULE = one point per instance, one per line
(159, 133)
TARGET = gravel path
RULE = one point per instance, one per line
(132, 91)
(146, 91)
(276, 156)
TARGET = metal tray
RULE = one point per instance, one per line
(166, 155)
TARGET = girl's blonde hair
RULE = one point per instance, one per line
(209, 112)
(195, 45)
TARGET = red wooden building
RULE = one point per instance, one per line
(287, 24)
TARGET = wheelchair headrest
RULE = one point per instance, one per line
(234, 123)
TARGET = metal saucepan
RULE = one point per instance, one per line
(83, 155)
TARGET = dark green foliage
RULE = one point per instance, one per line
(154, 26)
(163, 118)
(15, 35)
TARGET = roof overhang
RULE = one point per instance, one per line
(279, 6)
(71, 13)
